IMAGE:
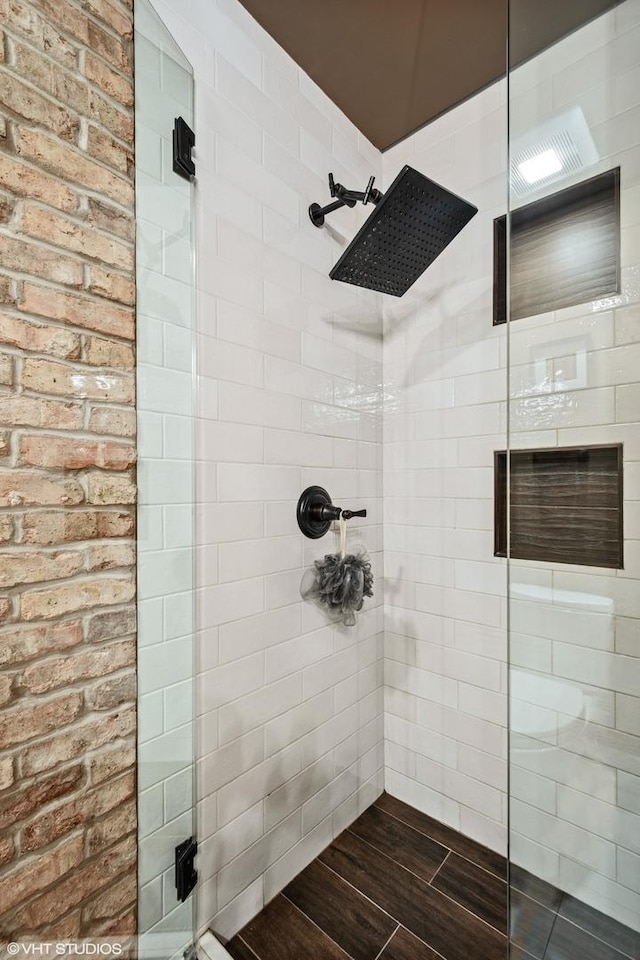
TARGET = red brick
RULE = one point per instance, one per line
(118, 121)
(20, 256)
(7, 294)
(48, 376)
(25, 22)
(64, 671)
(115, 421)
(62, 526)
(7, 850)
(106, 148)
(6, 369)
(112, 82)
(111, 625)
(53, 452)
(39, 338)
(110, 556)
(7, 688)
(80, 810)
(67, 930)
(28, 800)
(72, 91)
(81, 311)
(79, 595)
(23, 723)
(108, 488)
(113, 286)
(36, 873)
(108, 763)
(66, 16)
(30, 64)
(117, 51)
(72, 165)
(62, 231)
(27, 181)
(112, 902)
(78, 740)
(111, 693)
(19, 644)
(111, 14)
(23, 488)
(7, 773)
(118, 824)
(20, 410)
(31, 105)
(91, 878)
(108, 353)
(6, 528)
(112, 219)
(5, 609)
(35, 567)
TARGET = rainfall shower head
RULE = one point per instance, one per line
(411, 225)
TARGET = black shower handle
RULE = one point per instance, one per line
(316, 512)
(329, 511)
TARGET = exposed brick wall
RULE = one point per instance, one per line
(67, 470)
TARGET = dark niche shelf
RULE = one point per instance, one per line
(565, 505)
(564, 250)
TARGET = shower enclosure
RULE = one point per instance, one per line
(488, 422)
(574, 595)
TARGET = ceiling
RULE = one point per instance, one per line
(394, 65)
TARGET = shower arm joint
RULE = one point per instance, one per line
(344, 198)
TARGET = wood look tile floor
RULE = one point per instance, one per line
(398, 885)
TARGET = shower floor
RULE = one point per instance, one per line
(398, 885)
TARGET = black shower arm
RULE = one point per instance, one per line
(344, 198)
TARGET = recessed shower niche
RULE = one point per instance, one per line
(564, 249)
(565, 505)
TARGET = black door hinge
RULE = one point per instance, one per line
(183, 142)
(186, 874)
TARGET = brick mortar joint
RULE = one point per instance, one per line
(106, 166)
(83, 11)
(127, 112)
(78, 73)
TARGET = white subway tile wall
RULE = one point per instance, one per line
(575, 631)
(289, 394)
(445, 414)
(166, 487)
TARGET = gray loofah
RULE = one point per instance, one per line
(341, 584)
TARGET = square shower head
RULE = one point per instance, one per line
(412, 224)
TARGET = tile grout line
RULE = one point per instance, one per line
(316, 925)
(461, 906)
(382, 910)
(457, 853)
(360, 892)
(590, 933)
(439, 869)
(248, 946)
(385, 945)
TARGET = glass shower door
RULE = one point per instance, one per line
(166, 562)
(574, 485)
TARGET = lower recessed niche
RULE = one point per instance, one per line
(565, 505)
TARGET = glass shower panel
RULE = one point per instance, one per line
(166, 604)
(574, 487)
